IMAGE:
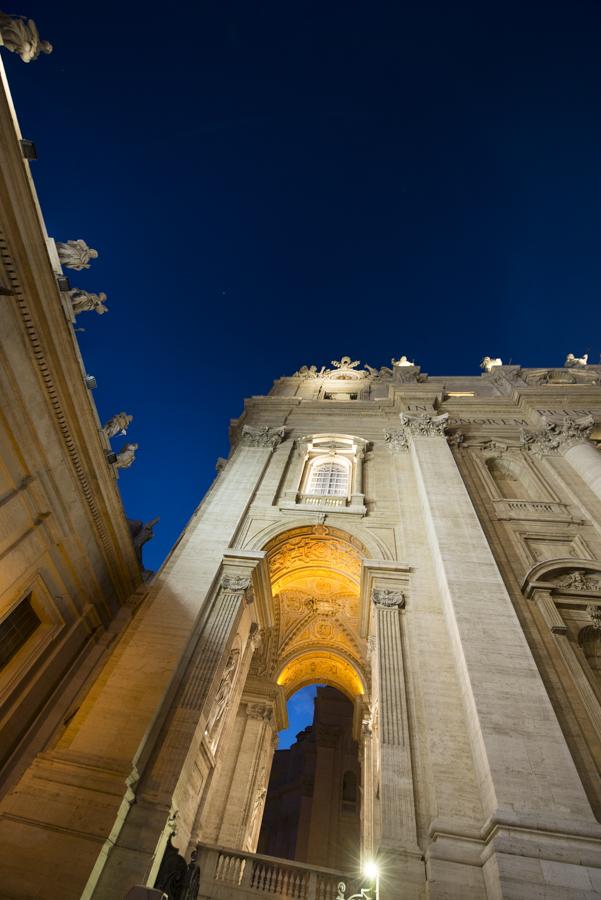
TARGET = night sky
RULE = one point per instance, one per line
(278, 184)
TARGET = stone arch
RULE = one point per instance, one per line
(512, 479)
(319, 666)
(543, 574)
(371, 545)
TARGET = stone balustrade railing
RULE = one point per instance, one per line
(231, 873)
(325, 500)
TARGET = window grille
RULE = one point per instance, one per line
(16, 630)
(329, 479)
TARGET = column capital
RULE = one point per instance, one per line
(384, 598)
(426, 425)
(262, 436)
(556, 437)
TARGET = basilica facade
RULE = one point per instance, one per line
(429, 547)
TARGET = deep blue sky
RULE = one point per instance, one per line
(272, 184)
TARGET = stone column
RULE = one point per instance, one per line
(368, 787)
(570, 439)
(527, 777)
(233, 812)
(386, 585)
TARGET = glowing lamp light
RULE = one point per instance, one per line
(370, 870)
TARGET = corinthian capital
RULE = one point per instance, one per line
(388, 599)
(557, 437)
(235, 584)
(263, 436)
(426, 425)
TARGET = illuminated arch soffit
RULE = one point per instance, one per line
(321, 667)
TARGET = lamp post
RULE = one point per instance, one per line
(371, 871)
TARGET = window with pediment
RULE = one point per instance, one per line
(328, 473)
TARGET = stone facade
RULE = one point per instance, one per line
(429, 546)
(437, 570)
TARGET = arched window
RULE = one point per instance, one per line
(508, 477)
(329, 479)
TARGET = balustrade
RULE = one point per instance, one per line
(227, 873)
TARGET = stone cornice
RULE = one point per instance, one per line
(37, 311)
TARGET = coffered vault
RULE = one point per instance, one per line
(315, 579)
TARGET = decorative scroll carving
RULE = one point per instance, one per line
(345, 363)
(579, 580)
(75, 254)
(21, 36)
(118, 424)
(235, 584)
(556, 437)
(594, 612)
(426, 425)
(388, 599)
(126, 456)
(83, 301)
(263, 436)
(397, 440)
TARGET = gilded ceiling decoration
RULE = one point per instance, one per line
(315, 575)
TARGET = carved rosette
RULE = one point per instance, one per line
(557, 437)
(263, 436)
(385, 598)
(235, 584)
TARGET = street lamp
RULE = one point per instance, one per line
(371, 871)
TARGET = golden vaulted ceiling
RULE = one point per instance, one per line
(315, 574)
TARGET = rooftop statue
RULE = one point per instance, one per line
(403, 361)
(573, 362)
(20, 35)
(83, 301)
(126, 456)
(75, 254)
(118, 424)
(488, 363)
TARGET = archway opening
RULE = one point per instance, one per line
(312, 811)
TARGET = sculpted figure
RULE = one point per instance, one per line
(223, 691)
(488, 362)
(403, 361)
(307, 372)
(126, 456)
(20, 35)
(573, 362)
(141, 533)
(118, 424)
(257, 807)
(75, 254)
(83, 301)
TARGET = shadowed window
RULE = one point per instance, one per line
(16, 629)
